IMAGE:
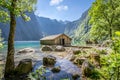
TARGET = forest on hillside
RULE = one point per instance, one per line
(98, 59)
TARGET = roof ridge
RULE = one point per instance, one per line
(51, 37)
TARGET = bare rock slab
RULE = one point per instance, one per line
(59, 48)
(26, 50)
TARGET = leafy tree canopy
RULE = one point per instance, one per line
(22, 6)
(105, 19)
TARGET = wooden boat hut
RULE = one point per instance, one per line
(59, 39)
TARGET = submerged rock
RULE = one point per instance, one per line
(59, 48)
(49, 60)
(67, 70)
(24, 67)
(75, 76)
(56, 69)
(26, 50)
(46, 48)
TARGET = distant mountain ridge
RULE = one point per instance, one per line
(34, 29)
(39, 27)
(51, 26)
(24, 30)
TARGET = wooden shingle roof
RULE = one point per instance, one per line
(52, 37)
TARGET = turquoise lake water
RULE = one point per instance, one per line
(21, 45)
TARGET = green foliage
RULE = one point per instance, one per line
(104, 52)
(110, 66)
(105, 19)
(22, 7)
(116, 42)
(95, 75)
(110, 63)
(38, 74)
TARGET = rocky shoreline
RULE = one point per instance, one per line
(71, 62)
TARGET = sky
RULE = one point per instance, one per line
(69, 10)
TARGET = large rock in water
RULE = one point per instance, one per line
(26, 50)
(47, 48)
(24, 67)
(87, 69)
(49, 60)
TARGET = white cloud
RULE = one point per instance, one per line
(55, 2)
(62, 8)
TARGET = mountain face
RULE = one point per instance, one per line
(79, 29)
(24, 30)
(50, 27)
(34, 29)
(39, 27)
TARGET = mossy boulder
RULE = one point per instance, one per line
(87, 69)
(24, 67)
(49, 60)
(59, 48)
(56, 69)
(47, 48)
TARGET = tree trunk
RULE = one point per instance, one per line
(110, 34)
(9, 67)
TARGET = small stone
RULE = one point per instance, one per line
(72, 58)
(56, 69)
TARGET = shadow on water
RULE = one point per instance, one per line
(67, 70)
